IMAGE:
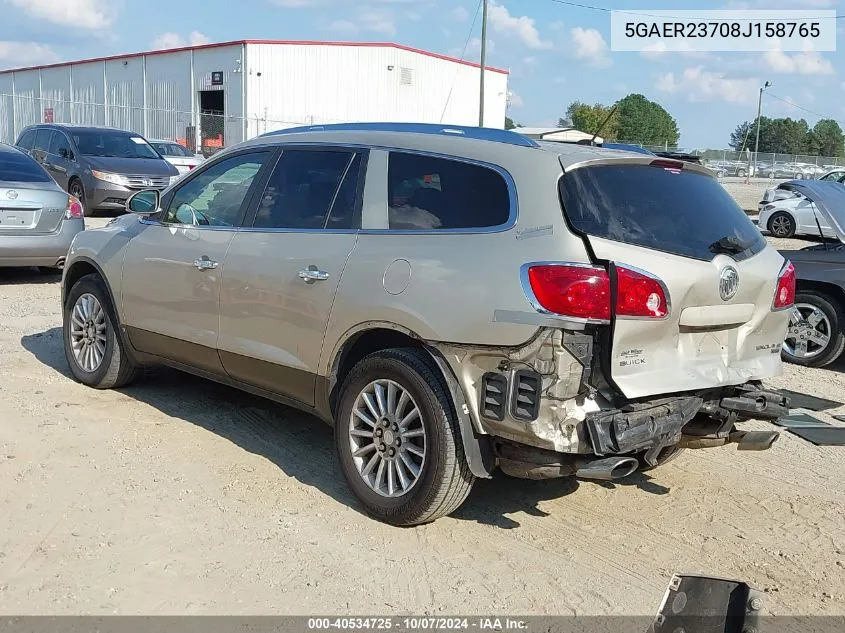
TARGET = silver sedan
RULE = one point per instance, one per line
(38, 219)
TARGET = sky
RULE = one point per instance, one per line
(556, 53)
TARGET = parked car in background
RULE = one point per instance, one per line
(308, 266)
(789, 213)
(731, 168)
(38, 219)
(183, 159)
(785, 170)
(99, 166)
(815, 336)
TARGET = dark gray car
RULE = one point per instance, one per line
(100, 166)
(815, 337)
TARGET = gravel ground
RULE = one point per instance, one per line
(182, 497)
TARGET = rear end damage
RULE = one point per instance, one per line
(546, 410)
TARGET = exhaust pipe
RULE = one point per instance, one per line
(744, 440)
(757, 440)
(608, 469)
(61, 263)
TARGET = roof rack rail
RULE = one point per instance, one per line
(478, 133)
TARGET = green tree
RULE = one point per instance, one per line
(646, 122)
(784, 136)
(588, 118)
(826, 139)
(743, 135)
(509, 124)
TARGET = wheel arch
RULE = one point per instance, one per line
(374, 336)
(77, 269)
(831, 290)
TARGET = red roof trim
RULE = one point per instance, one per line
(401, 47)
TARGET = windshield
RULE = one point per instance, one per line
(678, 212)
(172, 149)
(113, 144)
(18, 167)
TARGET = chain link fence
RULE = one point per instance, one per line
(203, 132)
(768, 164)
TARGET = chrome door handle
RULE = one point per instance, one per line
(312, 274)
(204, 264)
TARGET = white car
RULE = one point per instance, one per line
(183, 159)
(785, 212)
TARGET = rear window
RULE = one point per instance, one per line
(682, 213)
(427, 192)
(18, 167)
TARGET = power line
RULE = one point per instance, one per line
(795, 105)
(463, 53)
(580, 5)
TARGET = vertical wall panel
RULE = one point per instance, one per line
(55, 93)
(125, 94)
(7, 111)
(169, 113)
(88, 95)
(27, 99)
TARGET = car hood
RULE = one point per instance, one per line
(132, 166)
(829, 198)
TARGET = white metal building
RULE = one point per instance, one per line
(220, 94)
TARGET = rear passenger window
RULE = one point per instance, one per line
(42, 139)
(310, 190)
(426, 192)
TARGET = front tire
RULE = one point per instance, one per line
(398, 441)
(781, 224)
(94, 350)
(815, 337)
(77, 190)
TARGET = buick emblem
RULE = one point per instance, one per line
(11, 194)
(728, 283)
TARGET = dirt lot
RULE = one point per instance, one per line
(179, 496)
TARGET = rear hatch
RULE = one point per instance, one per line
(675, 222)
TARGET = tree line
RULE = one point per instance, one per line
(791, 136)
(635, 120)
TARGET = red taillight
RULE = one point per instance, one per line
(582, 292)
(640, 295)
(785, 291)
(674, 165)
(74, 209)
(190, 167)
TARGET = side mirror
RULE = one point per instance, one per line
(144, 202)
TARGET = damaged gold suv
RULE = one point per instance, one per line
(451, 299)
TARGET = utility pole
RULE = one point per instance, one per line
(759, 111)
(483, 62)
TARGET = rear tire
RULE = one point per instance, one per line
(442, 479)
(90, 322)
(832, 319)
(781, 224)
(741, 173)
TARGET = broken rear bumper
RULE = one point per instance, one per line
(644, 430)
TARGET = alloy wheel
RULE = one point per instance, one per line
(809, 331)
(387, 438)
(88, 332)
(781, 226)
